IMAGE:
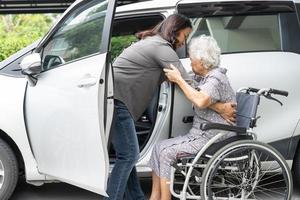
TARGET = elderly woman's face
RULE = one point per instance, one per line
(182, 36)
(197, 66)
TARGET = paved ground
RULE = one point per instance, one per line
(61, 191)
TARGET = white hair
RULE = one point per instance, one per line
(206, 49)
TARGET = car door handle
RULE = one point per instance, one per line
(87, 82)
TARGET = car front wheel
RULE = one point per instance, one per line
(8, 170)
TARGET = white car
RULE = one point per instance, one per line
(56, 111)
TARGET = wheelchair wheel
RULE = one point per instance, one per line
(247, 170)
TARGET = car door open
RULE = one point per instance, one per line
(68, 112)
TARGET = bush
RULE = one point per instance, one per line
(11, 45)
(18, 31)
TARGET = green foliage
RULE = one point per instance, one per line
(18, 31)
(119, 43)
(10, 45)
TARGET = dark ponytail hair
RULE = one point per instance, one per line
(168, 28)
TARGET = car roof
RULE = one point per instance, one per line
(211, 1)
(147, 5)
(167, 4)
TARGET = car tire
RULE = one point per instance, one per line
(296, 165)
(8, 171)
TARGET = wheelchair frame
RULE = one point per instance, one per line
(184, 194)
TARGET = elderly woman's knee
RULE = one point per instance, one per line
(167, 154)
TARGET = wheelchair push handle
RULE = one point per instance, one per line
(251, 89)
(279, 92)
(268, 91)
(265, 91)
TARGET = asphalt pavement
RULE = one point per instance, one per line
(62, 191)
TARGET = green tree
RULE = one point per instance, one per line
(18, 31)
(119, 43)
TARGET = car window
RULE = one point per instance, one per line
(290, 32)
(119, 43)
(249, 26)
(125, 28)
(78, 36)
(241, 33)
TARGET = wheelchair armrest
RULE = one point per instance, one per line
(217, 126)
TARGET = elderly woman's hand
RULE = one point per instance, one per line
(229, 112)
(173, 74)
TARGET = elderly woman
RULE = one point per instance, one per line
(211, 85)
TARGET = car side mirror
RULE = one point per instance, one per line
(51, 61)
(31, 66)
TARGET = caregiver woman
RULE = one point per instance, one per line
(138, 72)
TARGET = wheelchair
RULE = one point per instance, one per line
(239, 167)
